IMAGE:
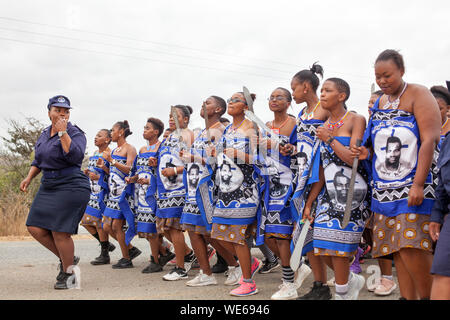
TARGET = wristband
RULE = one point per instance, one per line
(175, 170)
(330, 140)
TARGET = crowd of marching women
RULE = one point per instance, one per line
(313, 188)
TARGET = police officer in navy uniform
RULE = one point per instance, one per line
(440, 226)
(64, 193)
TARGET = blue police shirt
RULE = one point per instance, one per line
(49, 154)
(442, 204)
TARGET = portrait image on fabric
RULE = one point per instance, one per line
(303, 157)
(330, 210)
(280, 178)
(95, 186)
(230, 176)
(116, 184)
(338, 185)
(234, 182)
(193, 177)
(142, 190)
(173, 182)
(396, 154)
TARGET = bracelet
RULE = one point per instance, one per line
(175, 171)
(330, 140)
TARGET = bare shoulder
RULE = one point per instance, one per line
(292, 122)
(130, 148)
(143, 149)
(417, 88)
(356, 117)
(321, 114)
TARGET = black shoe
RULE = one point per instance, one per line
(103, 258)
(221, 265)
(111, 247)
(152, 267)
(65, 281)
(319, 291)
(123, 263)
(134, 252)
(268, 266)
(163, 259)
(76, 259)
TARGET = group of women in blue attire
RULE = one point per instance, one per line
(230, 183)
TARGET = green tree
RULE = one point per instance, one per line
(17, 151)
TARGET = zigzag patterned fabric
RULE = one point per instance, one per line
(145, 201)
(171, 190)
(198, 205)
(304, 166)
(276, 217)
(394, 136)
(120, 203)
(99, 188)
(328, 231)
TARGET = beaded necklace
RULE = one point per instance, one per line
(445, 123)
(336, 125)
(394, 104)
(240, 124)
(152, 146)
(277, 130)
(309, 115)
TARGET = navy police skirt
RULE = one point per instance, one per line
(60, 203)
(441, 260)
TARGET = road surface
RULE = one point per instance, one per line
(28, 272)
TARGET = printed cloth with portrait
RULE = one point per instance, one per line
(145, 200)
(276, 216)
(120, 203)
(395, 138)
(305, 167)
(99, 193)
(171, 190)
(329, 237)
(199, 204)
(238, 190)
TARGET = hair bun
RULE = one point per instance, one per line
(189, 109)
(317, 69)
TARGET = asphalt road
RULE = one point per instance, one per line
(28, 271)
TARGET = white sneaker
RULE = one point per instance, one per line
(176, 274)
(189, 260)
(355, 284)
(202, 280)
(331, 282)
(372, 285)
(301, 274)
(287, 291)
(385, 288)
(234, 275)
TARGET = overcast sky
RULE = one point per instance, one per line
(118, 60)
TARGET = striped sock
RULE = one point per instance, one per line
(268, 254)
(288, 274)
